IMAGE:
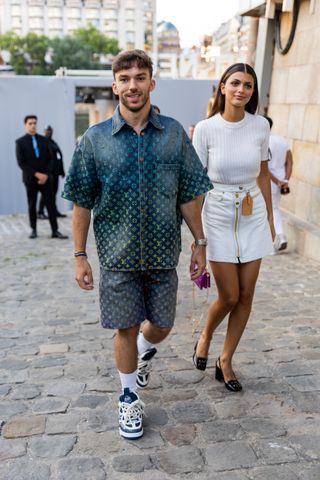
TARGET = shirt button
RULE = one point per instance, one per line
(141, 159)
(240, 187)
(142, 133)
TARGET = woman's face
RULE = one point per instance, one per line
(238, 89)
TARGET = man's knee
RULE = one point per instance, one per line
(130, 332)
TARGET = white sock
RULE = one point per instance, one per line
(128, 380)
(143, 344)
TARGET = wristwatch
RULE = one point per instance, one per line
(201, 242)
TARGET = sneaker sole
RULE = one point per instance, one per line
(142, 387)
(283, 246)
(132, 435)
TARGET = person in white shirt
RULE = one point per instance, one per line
(237, 213)
(280, 168)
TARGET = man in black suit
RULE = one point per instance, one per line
(34, 159)
(56, 171)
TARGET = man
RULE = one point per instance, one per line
(139, 173)
(280, 167)
(56, 170)
(34, 159)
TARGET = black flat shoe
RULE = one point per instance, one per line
(199, 362)
(33, 234)
(232, 385)
(58, 234)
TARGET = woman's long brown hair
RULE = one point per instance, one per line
(219, 99)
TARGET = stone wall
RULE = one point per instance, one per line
(295, 110)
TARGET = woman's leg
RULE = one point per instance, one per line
(227, 282)
(248, 274)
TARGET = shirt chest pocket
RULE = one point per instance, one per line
(167, 179)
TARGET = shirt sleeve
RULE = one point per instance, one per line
(193, 179)
(200, 144)
(82, 186)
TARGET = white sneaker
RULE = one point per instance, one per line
(144, 367)
(130, 415)
(280, 242)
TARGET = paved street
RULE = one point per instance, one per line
(59, 387)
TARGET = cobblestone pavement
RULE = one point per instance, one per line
(59, 386)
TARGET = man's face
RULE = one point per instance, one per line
(133, 87)
(31, 126)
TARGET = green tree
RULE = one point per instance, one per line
(71, 53)
(99, 43)
(27, 54)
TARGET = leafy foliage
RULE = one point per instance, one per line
(38, 55)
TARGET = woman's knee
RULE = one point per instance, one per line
(229, 301)
(246, 298)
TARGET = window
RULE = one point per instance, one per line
(16, 22)
(15, 11)
(73, 23)
(55, 23)
(74, 13)
(35, 12)
(130, 14)
(92, 13)
(110, 13)
(36, 23)
(130, 25)
(54, 12)
(130, 37)
(111, 25)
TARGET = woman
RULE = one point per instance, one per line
(237, 213)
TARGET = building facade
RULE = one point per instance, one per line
(289, 83)
(131, 22)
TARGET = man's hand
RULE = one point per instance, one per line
(42, 178)
(198, 261)
(84, 275)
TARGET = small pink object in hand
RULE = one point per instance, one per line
(203, 281)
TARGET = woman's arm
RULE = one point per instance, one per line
(263, 181)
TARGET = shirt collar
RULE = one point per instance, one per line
(118, 121)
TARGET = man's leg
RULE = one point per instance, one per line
(122, 308)
(32, 192)
(47, 194)
(160, 294)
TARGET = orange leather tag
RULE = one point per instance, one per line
(247, 205)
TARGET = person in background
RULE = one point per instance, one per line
(280, 168)
(191, 131)
(237, 213)
(140, 174)
(211, 102)
(34, 158)
(57, 170)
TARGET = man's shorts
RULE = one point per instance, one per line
(129, 298)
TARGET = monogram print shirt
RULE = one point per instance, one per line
(135, 185)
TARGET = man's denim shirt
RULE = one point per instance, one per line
(135, 184)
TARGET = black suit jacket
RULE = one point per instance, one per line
(27, 160)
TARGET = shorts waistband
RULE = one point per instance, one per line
(242, 187)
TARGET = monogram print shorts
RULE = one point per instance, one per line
(129, 298)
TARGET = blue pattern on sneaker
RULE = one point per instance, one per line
(130, 415)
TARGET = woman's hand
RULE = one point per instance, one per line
(272, 229)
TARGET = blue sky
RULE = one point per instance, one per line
(194, 18)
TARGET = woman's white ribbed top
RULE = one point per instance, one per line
(232, 151)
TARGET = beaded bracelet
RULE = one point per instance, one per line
(80, 254)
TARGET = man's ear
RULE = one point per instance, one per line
(114, 88)
(152, 84)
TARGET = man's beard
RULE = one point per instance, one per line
(135, 108)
